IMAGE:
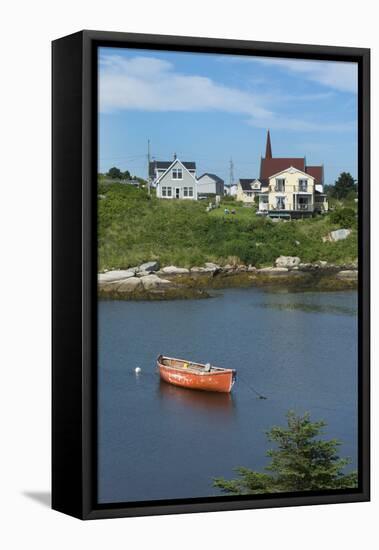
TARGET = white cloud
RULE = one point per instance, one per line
(152, 84)
(341, 76)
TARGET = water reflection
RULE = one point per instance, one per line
(311, 308)
(197, 400)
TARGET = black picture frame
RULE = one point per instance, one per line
(74, 294)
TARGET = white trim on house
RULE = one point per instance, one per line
(291, 170)
(169, 168)
(177, 174)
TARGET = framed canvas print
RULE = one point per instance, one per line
(210, 274)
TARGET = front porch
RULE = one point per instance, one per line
(299, 205)
(303, 202)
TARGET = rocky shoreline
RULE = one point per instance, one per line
(151, 282)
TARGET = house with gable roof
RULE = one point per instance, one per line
(294, 189)
(248, 189)
(175, 180)
(209, 184)
(291, 191)
(158, 167)
(287, 187)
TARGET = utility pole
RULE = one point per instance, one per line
(231, 172)
(148, 166)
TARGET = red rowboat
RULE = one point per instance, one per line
(195, 376)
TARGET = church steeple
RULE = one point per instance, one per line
(268, 146)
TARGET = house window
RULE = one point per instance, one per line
(164, 191)
(280, 184)
(303, 185)
(185, 191)
(280, 205)
(177, 174)
(190, 191)
(249, 193)
(303, 203)
(169, 191)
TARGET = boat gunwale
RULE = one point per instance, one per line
(217, 371)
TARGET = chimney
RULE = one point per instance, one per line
(175, 156)
(268, 146)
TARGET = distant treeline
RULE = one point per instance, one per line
(116, 174)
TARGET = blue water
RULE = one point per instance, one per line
(157, 441)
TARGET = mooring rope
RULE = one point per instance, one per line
(251, 388)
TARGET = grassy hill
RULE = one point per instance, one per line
(133, 228)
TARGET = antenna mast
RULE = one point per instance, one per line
(231, 172)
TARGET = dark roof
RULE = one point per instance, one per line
(213, 176)
(246, 184)
(164, 164)
(317, 172)
(272, 166)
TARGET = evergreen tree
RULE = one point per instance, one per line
(114, 173)
(344, 185)
(300, 462)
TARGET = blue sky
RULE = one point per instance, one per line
(211, 108)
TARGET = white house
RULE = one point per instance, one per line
(159, 167)
(210, 184)
(177, 182)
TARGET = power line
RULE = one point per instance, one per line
(131, 157)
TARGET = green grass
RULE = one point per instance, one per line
(133, 228)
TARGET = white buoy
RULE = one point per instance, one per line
(137, 370)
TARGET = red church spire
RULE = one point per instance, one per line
(268, 146)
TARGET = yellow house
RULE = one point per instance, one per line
(295, 189)
(291, 193)
(248, 189)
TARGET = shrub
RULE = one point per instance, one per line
(344, 217)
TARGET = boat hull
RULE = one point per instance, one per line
(220, 381)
